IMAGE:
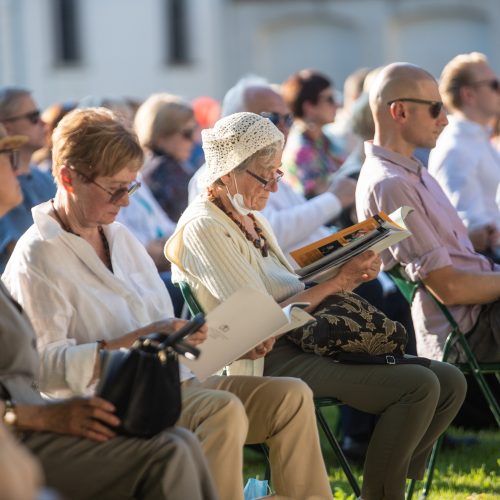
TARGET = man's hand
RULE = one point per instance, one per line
(261, 350)
(344, 188)
(87, 418)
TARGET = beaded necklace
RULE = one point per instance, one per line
(104, 240)
(260, 242)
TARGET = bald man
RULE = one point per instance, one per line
(408, 114)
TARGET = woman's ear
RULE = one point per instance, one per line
(66, 178)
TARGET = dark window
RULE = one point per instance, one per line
(177, 34)
(67, 31)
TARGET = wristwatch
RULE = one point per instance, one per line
(9, 414)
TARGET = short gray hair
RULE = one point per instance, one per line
(234, 100)
(8, 100)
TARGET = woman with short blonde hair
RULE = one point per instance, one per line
(167, 129)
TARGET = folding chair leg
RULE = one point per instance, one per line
(410, 490)
(267, 473)
(338, 452)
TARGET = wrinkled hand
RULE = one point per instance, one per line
(261, 350)
(359, 269)
(173, 324)
(87, 418)
(344, 188)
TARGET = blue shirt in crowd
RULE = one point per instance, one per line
(37, 187)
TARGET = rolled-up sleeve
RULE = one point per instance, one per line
(423, 251)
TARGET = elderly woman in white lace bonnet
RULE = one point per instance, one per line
(222, 243)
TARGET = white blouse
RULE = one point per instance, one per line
(73, 299)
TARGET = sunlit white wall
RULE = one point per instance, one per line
(123, 42)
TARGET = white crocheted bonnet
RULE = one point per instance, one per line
(234, 139)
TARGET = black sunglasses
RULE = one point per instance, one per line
(435, 107)
(116, 195)
(267, 183)
(492, 84)
(276, 118)
(13, 157)
(32, 116)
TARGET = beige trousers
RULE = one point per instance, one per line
(228, 412)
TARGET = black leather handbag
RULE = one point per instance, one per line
(143, 382)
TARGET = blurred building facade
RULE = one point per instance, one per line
(67, 49)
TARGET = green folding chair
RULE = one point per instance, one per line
(319, 403)
(455, 342)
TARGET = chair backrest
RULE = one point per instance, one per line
(456, 339)
(409, 288)
(187, 294)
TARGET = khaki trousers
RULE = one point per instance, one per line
(415, 404)
(227, 412)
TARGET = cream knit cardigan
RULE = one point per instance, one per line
(211, 254)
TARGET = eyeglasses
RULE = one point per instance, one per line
(13, 157)
(188, 133)
(267, 183)
(276, 118)
(32, 116)
(115, 196)
(435, 107)
(493, 84)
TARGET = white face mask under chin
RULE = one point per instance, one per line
(238, 202)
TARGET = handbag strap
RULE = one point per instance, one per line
(363, 358)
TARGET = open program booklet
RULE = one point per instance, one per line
(243, 321)
(320, 260)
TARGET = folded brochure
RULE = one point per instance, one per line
(240, 323)
(320, 260)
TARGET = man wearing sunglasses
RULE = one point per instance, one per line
(464, 162)
(20, 116)
(404, 100)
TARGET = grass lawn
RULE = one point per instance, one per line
(470, 473)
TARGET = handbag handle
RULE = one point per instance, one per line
(161, 343)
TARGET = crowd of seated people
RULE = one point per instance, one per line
(96, 160)
(95, 203)
(309, 218)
